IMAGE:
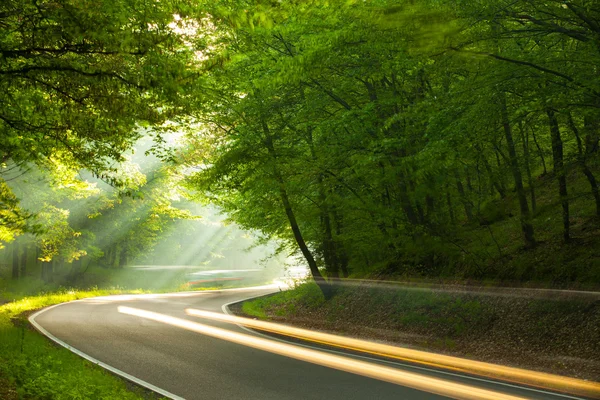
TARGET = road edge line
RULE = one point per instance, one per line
(99, 363)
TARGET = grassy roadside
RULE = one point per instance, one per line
(32, 368)
(559, 335)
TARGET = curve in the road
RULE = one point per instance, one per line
(180, 364)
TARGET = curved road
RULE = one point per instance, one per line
(207, 364)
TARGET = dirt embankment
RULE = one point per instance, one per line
(559, 334)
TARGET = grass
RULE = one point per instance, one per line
(33, 368)
(558, 335)
(284, 303)
(95, 277)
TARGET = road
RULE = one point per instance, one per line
(217, 360)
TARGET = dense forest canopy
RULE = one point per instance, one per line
(430, 138)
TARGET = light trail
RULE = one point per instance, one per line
(515, 375)
(470, 290)
(408, 379)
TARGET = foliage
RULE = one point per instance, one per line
(12, 218)
(383, 133)
(382, 136)
(79, 81)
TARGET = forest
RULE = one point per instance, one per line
(436, 139)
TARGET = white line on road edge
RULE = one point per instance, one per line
(227, 311)
(114, 370)
(95, 361)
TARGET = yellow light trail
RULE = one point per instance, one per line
(516, 375)
(409, 379)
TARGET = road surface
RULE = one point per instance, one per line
(222, 363)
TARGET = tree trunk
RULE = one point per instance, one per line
(341, 252)
(312, 264)
(540, 152)
(466, 203)
(450, 207)
(123, 257)
(501, 178)
(51, 268)
(47, 271)
(583, 164)
(40, 263)
(525, 216)
(329, 251)
(329, 246)
(495, 183)
(559, 171)
(592, 137)
(420, 212)
(405, 203)
(24, 262)
(525, 140)
(15, 260)
(115, 254)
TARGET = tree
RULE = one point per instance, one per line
(351, 132)
(78, 79)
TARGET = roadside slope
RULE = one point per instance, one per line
(558, 335)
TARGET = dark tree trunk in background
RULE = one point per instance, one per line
(40, 263)
(466, 203)
(525, 216)
(76, 268)
(405, 203)
(468, 180)
(540, 152)
(450, 206)
(501, 167)
(592, 137)
(495, 182)
(47, 271)
(559, 171)
(583, 164)
(525, 141)
(594, 185)
(15, 260)
(420, 212)
(341, 252)
(113, 256)
(24, 262)
(123, 257)
(430, 203)
(329, 247)
(51, 269)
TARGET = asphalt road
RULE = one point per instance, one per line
(193, 365)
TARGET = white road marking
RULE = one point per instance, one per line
(114, 370)
(225, 309)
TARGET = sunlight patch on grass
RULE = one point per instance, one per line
(38, 369)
